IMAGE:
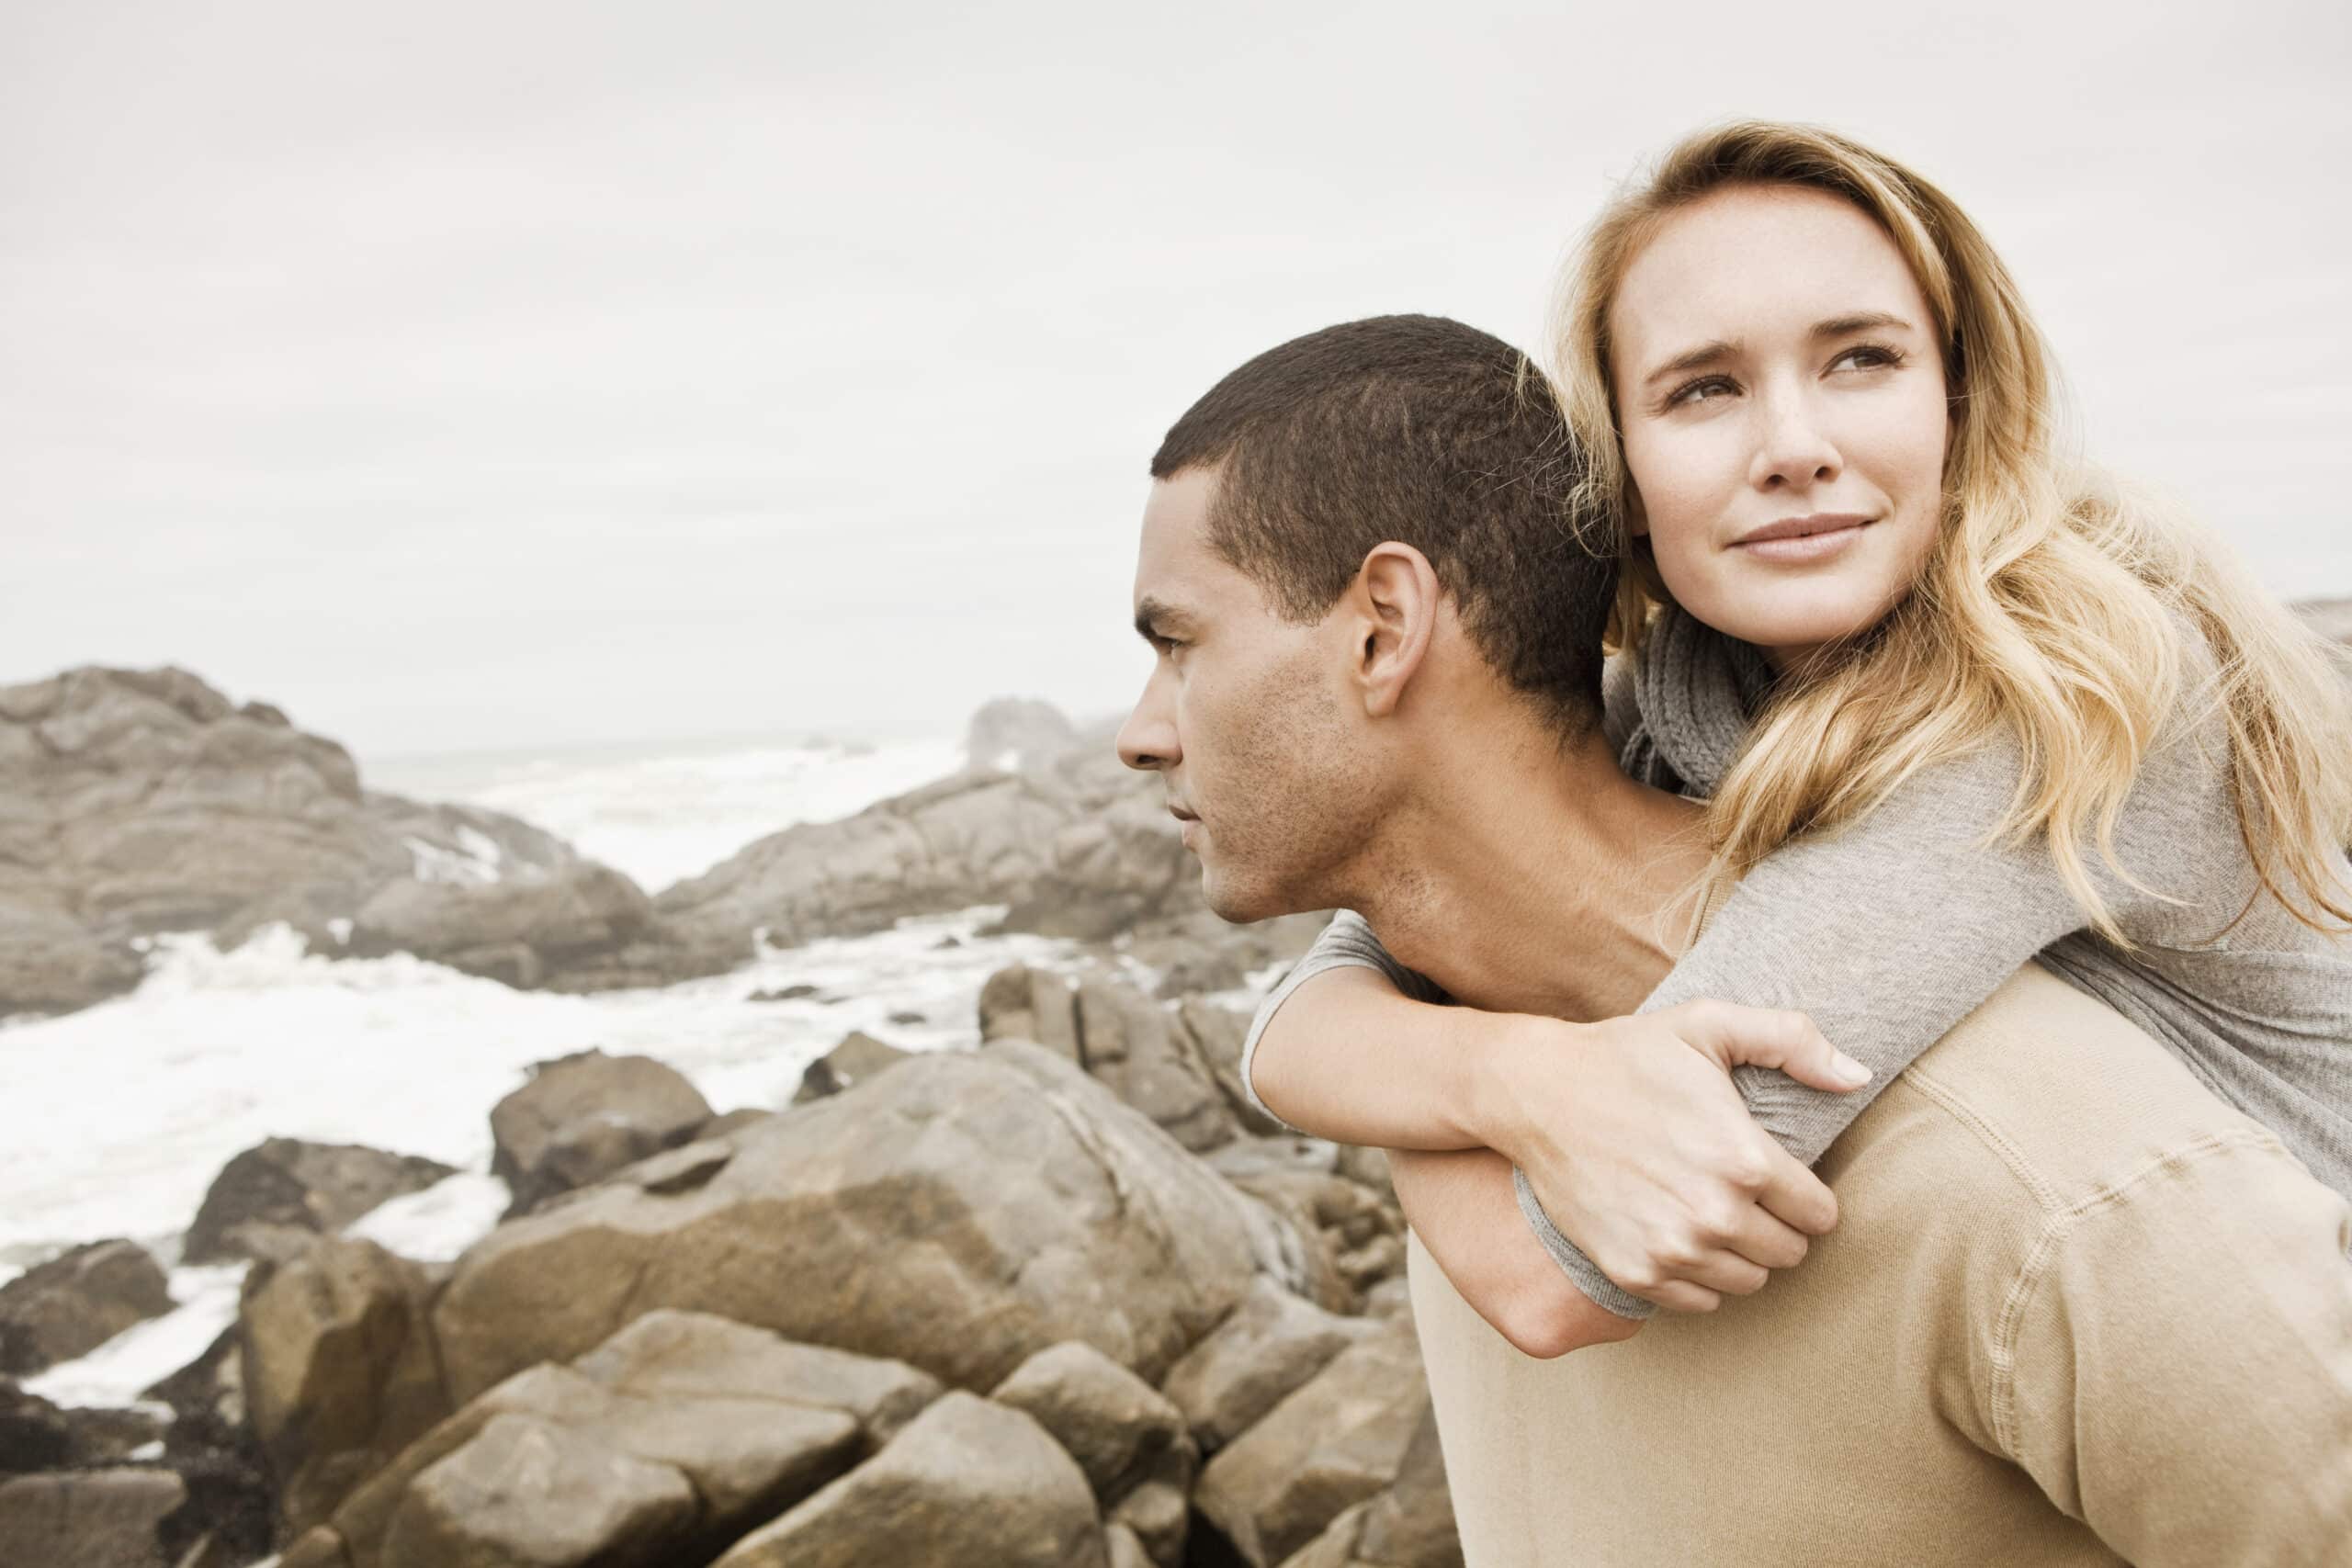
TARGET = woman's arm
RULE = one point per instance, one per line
(1341, 1053)
(1887, 933)
(1460, 1203)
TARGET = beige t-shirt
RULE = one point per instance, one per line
(2076, 1311)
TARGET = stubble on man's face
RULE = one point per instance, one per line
(1286, 794)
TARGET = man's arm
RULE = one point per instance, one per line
(2174, 1366)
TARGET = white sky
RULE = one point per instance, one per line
(495, 375)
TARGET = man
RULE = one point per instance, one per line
(2077, 1311)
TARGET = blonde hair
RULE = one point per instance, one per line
(2052, 606)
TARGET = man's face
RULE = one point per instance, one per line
(1247, 719)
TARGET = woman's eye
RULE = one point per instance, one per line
(1699, 391)
(1868, 356)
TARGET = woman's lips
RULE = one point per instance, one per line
(1803, 540)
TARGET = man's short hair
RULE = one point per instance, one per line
(1423, 431)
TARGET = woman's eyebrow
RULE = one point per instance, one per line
(1860, 320)
(1693, 359)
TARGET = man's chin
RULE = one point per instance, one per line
(1242, 901)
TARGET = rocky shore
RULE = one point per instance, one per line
(1062, 1299)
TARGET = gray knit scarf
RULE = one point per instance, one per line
(1696, 690)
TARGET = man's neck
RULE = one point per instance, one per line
(1537, 879)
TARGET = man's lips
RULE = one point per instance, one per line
(1182, 815)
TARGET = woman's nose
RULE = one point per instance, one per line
(1793, 451)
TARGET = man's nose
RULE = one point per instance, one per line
(1793, 450)
(1147, 740)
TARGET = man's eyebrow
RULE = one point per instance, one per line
(1693, 359)
(1155, 620)
(1860, 320)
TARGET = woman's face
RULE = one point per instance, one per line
(1781, 395)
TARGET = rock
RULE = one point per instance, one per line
(531, 1491)
(584, 1117)
(1335, 1442)
(963, 1211)
(51, 962)
(695, 1355)
(134, 802)
(968, 1482)
(340, 1371)
(753, 1422)
(908, 1015)
(72, 1304)
(1011, 733)
(37, 1436)
(92, 1518)
(519, 931)
(1131, 1044)
(1358, 1238)
(1122, 1548)
(1273, 1345)
(1411, 1524)
(277, 1198)
(1115, 1425)
(1158, 1512)
(787, 994)
(1021, 1003)
(732, 1122)
(856, 1058)
(34, 1434)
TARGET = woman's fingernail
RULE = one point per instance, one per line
(1849, 1069)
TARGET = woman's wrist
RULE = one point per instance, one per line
(1494, 1050)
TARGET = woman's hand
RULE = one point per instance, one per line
(1645, 1155)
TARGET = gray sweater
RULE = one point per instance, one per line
(1891, 930)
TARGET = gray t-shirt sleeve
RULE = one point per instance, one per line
(1889, 932)
(1346, 943)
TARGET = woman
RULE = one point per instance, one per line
(1953, 706)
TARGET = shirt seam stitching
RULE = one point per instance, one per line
(2054, 1228)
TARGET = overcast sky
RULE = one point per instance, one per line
(501, 374)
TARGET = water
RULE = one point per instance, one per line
(120, 1115)
(662, 813)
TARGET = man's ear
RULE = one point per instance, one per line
(1396, 599)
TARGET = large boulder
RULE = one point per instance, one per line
(753, 1423)
(524, 1491)
(1336, 1442)
(960, 1212)
(75, 1302)
(582, 1117)
(968, 1482)
(340, 1369)
(520, 930)
(279, 1196)
(139, 801)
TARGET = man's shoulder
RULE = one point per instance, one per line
(2071, 1097)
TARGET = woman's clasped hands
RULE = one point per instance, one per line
(1642, 1153)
